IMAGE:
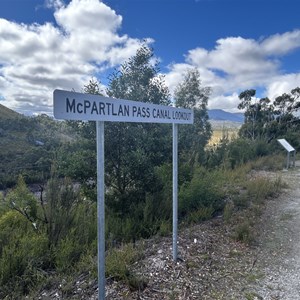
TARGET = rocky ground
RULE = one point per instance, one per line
(212, 264)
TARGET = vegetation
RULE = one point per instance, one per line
(267, 120)
(55, 230)
(28, 146)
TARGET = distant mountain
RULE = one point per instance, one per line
(221, 115)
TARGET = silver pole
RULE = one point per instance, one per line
(100, 210)
(175, 189)
(288, 160)
(294, 159)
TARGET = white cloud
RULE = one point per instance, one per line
(225, 102)
(56, 4)
(280, 44)
(92, 15)
(35, 58)
(237, 64)
(232, 55)
(282, 84)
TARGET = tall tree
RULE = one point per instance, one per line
(266, 119)
(258, 113)
(134, 150)
(192, 138)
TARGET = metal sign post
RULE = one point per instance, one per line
(78, 106)
(175, 189)
(100, 209)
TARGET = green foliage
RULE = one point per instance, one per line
(193, 138)
(258, 189)
(67, 253)
(228, 211)
(28, 146)
(138, 79)
(36, 236)
(237, 152)
(202, 214)
(22, 200)
(165, 228)
(268, 120)
(133, 151)
(118, 261)
(204, 192)
(23, 253)
(244, 232)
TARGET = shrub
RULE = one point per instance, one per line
(243, 232)
(260, 188)
(118, 263)
(67, 253)
(119, 260)
(228, 211)
(269, 163)
(23, 254)
(202, 214)
(204, 191)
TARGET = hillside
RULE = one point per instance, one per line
(6, 113)
(27, 145)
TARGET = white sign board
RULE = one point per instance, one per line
(286, 145)
(78, 106)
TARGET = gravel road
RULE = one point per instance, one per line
(278, 260)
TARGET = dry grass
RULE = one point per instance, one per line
(219, 134)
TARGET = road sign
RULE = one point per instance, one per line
(78, 106)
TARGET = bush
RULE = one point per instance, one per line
(202, 214)
(243, 232)
(23, 254)
(269, 163)
(118, 261)
(67, 253)
(117, 266)
(204, 191)
(258, 189)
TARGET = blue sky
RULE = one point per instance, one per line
(235, 45)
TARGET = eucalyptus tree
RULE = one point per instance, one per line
(134, 150)
(190, 93)
(266, 119)
(259, 113)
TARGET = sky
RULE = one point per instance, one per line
(235, 45)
